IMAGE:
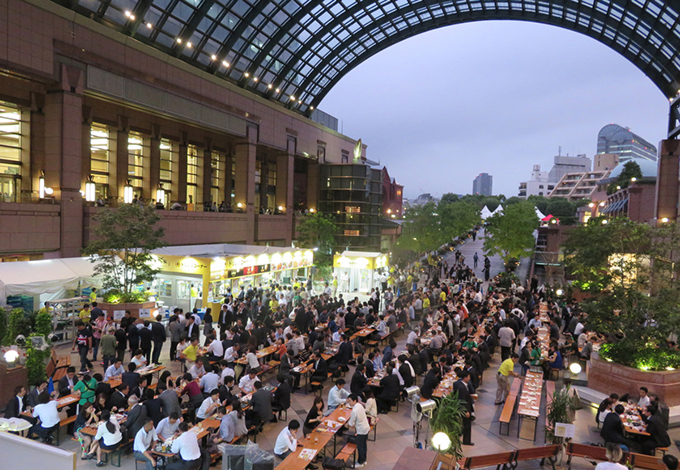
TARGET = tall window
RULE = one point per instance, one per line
(169, 153)
(138, 151)
(217, 162)
(100, 156)
(233, 181)
(193, 162)
(11, 145)
(271, 186)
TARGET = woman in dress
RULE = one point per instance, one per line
(108, 436)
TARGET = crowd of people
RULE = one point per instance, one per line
(455, 323)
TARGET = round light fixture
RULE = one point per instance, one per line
(575, 368)
(11, 356)
(441, 441)
(559, 292)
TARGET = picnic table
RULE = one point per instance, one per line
(316, 441)
(264, 352)
(365, 332)
(530, 399)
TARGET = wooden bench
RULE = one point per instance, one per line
(62, 423)
(115, 453)
(444, 462)
(663, 450)
(374, 428)
(509, 407)
(535, 453)
(58, 374)
(318, 387)
(350, 450)
(501, 460)
(586, 452)
(646, 462)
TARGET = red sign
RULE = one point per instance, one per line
(247, 271)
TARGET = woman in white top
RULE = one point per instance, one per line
(614, 455)
(371, 407)
(139, 359)
(253, 362)
(108, 436)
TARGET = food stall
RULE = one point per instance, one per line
(359, 271)
(199, 275)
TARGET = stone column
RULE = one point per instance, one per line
(264, 184)
(154, 162)
(245, 155)
(122, 134)
(285, 178)
(86, 146)
(313, 185)
(182, 171)
(207, 172)
(228, 161)
(667, 181)
(37, 133)
(63, 155)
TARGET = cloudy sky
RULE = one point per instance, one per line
(490, 96)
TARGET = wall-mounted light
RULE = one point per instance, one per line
(664, 220)
(311, 211)
(41, 185)
(160, 194)
(90, 191)
(128, 194)
(239, 205)
(280, 208)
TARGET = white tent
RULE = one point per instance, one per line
(485, 214)
(539, 214)
(499, 210)
(48, 276)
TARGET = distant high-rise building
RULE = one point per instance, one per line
(483, 184)
(564, 164)
(621, 141)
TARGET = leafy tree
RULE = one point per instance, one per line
(513, 200)
(448, 418)
(511, 234)
(3, 326)
(628, 271)
(631, 170)
(43, 324)
(318, 231)
(541, 202)
(421, 230)
(458, 218)
(448, 198)
(122, 244)
(14, 326)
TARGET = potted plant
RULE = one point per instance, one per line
(121, 249)
(560, 410)
(448, 418)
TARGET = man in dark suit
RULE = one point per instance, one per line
(461, 386)
(655, 427)
(67, 382)
(430, 382)
(344, 354)
(390, 390)
(118, 398)
(406, 371)
(32, 398)
(612, 428)
(192, 329)
(158, 336)
(145, 340)
(169, 400)
(261, 402)
(282, 394)
(131, 378)
(136, 416)
(320, 368)
(359, 381)
(121, 342)
(17, 403)
(133, 336)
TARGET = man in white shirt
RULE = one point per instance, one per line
(209, 405)
(215, 349)
(359, 421)
(247, 382)
(186, 445)
(144, 442)
(336, 396)
(167, 426)
(226, 372)
(232, 353)
(46, 411)
(644, 399)
(114, 370)
(209, 381)
(286, 442)
(579, 329)
(413, 335)
(506, 338)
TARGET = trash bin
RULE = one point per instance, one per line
(233, 457)
(258, 459)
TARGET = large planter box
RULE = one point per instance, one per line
(133, 308)
(607, 377)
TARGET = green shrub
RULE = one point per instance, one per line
(43, 324)
(3, 326)
(643, 357)
(448, 418)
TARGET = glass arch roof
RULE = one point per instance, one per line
(295, 51)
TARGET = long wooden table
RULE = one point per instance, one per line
(530, 400)
(264, 352)
(316, 440)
